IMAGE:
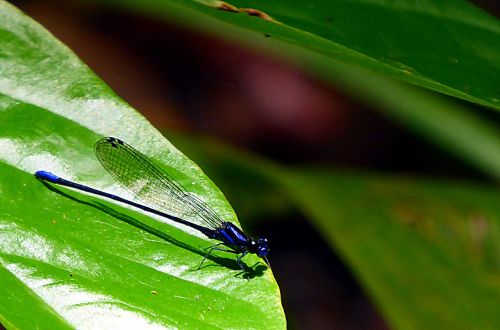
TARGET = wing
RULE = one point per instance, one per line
(150, 184)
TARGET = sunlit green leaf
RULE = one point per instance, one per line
(72, 260)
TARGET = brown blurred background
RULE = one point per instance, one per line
(182, 80)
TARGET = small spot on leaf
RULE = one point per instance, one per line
(257, 13)
(479, 227)
(406, 215)
(221, 5)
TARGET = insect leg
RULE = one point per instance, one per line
(216, 248)
(238, 260)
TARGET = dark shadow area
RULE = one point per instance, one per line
(318, 288)
(251, 272)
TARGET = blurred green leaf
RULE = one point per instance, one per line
(427, 251)
(449, 46)
(446, 46)
(72, 260)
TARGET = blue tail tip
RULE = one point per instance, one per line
(47, 176)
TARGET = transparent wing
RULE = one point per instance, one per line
(150, 184)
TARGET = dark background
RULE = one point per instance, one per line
(185, 81)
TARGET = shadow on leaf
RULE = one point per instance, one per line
(251, 272)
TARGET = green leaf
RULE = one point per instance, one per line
(72, 260)
(427, 251)
(448, 46)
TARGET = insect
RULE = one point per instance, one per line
(162, 195)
